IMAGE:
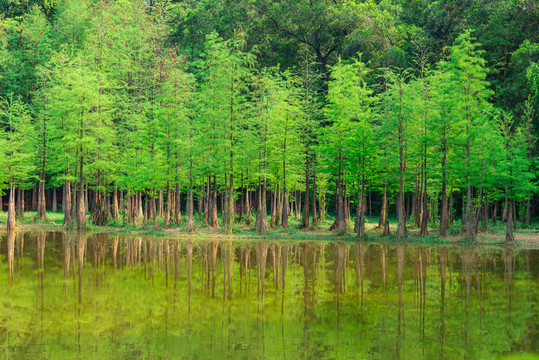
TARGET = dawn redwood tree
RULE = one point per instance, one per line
(396, 110)
(513, 171)
(349, 107)
(18, 154)
(471, 109)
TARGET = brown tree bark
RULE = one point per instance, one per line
(11, 222)
(54, 203)
(509, 225)
(115, 208)
(178, 205)
(212, 196)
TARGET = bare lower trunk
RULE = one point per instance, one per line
(178, 207)
(509, 226)
(212, 195)
(154, 209)
(41, 205)
(19, 208)
(168, 206)
(11, 222)
(66, 205)
(190, 203)
(443, 215)
(115, 208)
(285, 207)
(401, 217)
(261, 215)
(306, 210)
(383, 205)
(272, 207)
(161, 208)
(529, 208)
(248, 206)
(54, 205)
(341, 216)
(81, 215)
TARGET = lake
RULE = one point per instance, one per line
(101, 296)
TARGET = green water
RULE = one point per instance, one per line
(66, 296)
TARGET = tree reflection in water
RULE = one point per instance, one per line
(145, 297)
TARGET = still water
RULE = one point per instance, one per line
(87, 296)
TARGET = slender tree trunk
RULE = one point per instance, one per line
(401, 217)
(306, 210)
(161, 208)
(168, 205)
(11, 222)
(341, 216)
(41, 205)
(54, 205)
(505, 207)
(214, 221)
(33, 198)
(509, 226)
(383, 206)
(278, 206)
(178, 205)
(154, 207)
(285, 201)
(248, 205)
(314, 196)
(272, 207)
(81, 216)
(443, 215)
(66, 205)
(529, 208)
(190, 204)
(115, 207)
(206, 200)
(450, 207)
(19, 209)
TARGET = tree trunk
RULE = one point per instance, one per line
(341, 216)
(306, 211)
(190, 204)
(248, 206)
(115, 207)
(529, 208)
(161, 209)
(33, 205)
(168, 209)
(314, 198)
(505, 207)
(41, 205)
(54, 205)
(66, 204)
(383, 205)
(272, 208)
(278, 206)
(19, 210)
(154, 207)
(178, 206)
(509, 226)
(81, 216)
(284, 223)
(11, 222)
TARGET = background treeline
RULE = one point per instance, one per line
(135, 110)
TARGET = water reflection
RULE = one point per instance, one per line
(143, 297)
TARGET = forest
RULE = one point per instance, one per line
(251, 113)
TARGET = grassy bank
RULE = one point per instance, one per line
(528, 235)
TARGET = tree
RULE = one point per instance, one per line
(19, 154)
(472, 108)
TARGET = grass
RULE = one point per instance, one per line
(494, 234)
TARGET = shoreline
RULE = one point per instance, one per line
(524, 239)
